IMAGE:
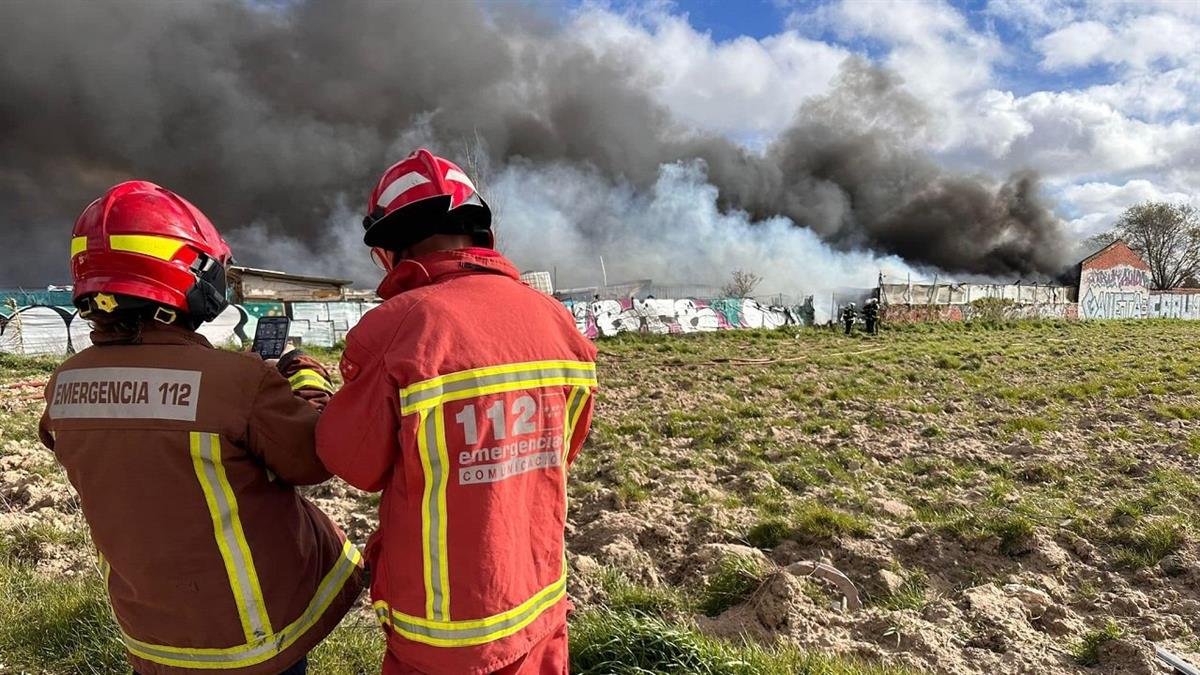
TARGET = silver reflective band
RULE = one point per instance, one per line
(493, 630)
(578, 397)
(235, 550)
(435, 514)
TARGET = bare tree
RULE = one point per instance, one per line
(1168, 238)
(478, 166)
(741, 284)
(1098, 241)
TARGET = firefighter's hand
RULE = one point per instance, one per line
(274, 363)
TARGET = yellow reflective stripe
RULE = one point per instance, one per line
(309, 383)
(427, 400)
(78, 245)
(443, 557)
(478, 631)
(307, 377)
(231, 539)
(475, 373)
(382, 613)
(511, 377)
(105, 568)
(262, 649)
(499, 387)
(164, 248)
(493, 619)
(426, 513)
(575, 406)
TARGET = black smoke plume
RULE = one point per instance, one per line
(269, 113)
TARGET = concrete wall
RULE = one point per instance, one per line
(919, 313)
(965, 294)
(604, 318)
(1179, 304)
(915, 303)
(1114, 284)
(41, 329)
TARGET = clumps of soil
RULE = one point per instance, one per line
(41, 524)
(1028, 621)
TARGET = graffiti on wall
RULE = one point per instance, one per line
(976, 311)
(605, 318)
(326, 323)
(41, 329)
(1119, 292)
(1175, 306)
(45, 329)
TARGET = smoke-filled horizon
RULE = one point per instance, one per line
(276, 119)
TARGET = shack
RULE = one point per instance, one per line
(248, 284)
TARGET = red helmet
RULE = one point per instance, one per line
(423, 195)
(140, 244)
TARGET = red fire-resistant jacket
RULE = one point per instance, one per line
(466, 396)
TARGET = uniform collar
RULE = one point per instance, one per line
(154, 333)
(427, 269)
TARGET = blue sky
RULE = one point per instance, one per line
(1099, 98)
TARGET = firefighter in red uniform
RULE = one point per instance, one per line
(467, 395)
(185, 456)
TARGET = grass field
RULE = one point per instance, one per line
(1005, 500)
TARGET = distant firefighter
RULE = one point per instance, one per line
(849, 315)
(871, 316)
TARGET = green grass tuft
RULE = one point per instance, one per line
(1149, 542)
(816, 522)
(355, 647)
(768, 533)
(1087, 650)
(913, 594)
(1032, 425)
(736, 579)
(623, 595)
(610, 643)
(17, 367)
(948, 362)
(809, 521)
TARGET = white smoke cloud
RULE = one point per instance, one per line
(566, 218)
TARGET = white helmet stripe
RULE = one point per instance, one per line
(460, 177)
(399, 186)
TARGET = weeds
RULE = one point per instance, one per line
(809, 521)
(622, 595)
(736, 578)
(610, 643)
(1014, 531)
(1031, 425)
(1145, 545)
(1087, 650)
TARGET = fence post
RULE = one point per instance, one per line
(15, 327)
